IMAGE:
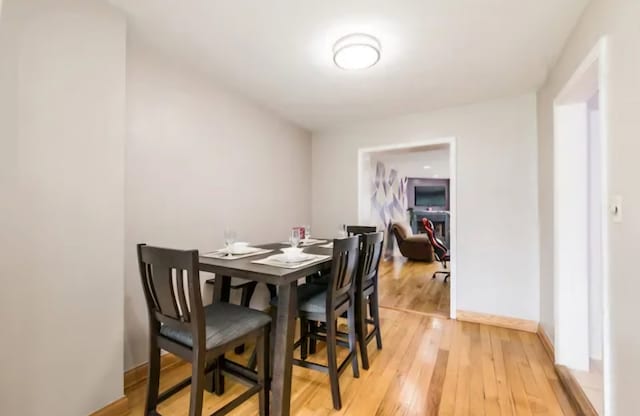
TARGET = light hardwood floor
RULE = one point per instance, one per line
(428, 366)
(407, 285)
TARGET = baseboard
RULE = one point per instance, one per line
(576, 395)
(495, 320)
(547, 344)
(118, 408)
(139, 374)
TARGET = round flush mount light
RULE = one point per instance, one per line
(356, 51)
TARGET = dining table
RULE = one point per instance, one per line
(286, 280)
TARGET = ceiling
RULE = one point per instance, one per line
(412, 163)
(435, 53)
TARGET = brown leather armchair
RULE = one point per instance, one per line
(414, 247)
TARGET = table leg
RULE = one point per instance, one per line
(222, 289)
(283, 350)
(214, 381)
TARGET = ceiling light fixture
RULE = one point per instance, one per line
(356, 51)
(427, 167)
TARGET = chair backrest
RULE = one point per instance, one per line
(401, 231)
(360, 229)
(344, 267)
(438, 247)
(370, 255)
(171, 284)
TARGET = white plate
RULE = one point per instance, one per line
(282, 258)
(240, 250)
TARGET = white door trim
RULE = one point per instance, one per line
(593, 71)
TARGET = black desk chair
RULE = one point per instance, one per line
(326, 307)
(180, 324)
(439, 249)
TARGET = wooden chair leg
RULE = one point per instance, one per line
(352, 341)
(197, 384)
(375, 314)
(313, 329)
(332, 365)
(253, 360)
(153, 380)
(361, 330)
(245, 300)
(262, 352)
(304, 336)
(218, 377)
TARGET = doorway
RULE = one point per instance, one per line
(406, 183)
(581, 227)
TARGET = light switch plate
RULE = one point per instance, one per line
(616, 209)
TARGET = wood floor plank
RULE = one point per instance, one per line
(436, 385)
(516, 383)
(491, 404)
(504, 394)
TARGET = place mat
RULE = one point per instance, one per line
(224, 256)
(269, 261)
(307, 243)
(330, 245)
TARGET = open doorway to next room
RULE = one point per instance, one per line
(408, 192)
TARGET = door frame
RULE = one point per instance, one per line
(451, 143)
(592, 74)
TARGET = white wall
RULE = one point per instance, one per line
(62, 98)
(200, 159)
(496, 182)
(619, 20)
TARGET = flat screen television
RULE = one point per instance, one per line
(431, 196)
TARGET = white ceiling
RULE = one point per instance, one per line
(435, 53)
(412, 163)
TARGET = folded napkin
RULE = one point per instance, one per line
(223, 254)
(272, 261)
(308, 242)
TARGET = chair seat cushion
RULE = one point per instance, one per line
(315, 304)
(305, 291)
(225, 322)
(418, 238)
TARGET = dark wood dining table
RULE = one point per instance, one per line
(286, 280)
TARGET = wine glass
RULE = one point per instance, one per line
(307, 232)
(229, 239)
(294, 239)
(342, 231)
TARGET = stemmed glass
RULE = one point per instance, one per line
(294, 239)
(307, 232)
(229, 239)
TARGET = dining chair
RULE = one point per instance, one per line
(360, 229)
(326, 307)
(367, 293)
(180, 324)
(323, 279)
